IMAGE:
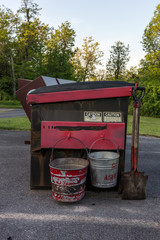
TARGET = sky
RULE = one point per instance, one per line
(107, 21)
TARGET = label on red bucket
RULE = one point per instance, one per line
(68, 198)
(68, 180)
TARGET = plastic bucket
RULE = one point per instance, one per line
(68, 177)
(104, 168)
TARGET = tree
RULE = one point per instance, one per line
(7, 74)
(151, 39)
(119, 56)
(100, 75)
(30, 39)
(149, 70)
(132, 75)
(59, 52)
(29, 9)
(30, 47)
(86, 59)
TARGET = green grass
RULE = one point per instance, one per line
(10, 104)
(148, 126)
(15, 123)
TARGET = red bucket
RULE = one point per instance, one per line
(68, 177)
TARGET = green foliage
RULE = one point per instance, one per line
(149, 71)
(151, 39)
(150, 78)
(86, 59)
(59, 52)
(9, 103)
(29, 9)
(116, 64)
(30, 48)
(6, 41)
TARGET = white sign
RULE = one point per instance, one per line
(112, 117)
(90, 116)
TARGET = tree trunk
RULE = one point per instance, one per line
(14, 79)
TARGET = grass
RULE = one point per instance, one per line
(148, 126)
(10, 104)
(15, 123)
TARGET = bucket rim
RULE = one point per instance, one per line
(62, 169)
(102, 159)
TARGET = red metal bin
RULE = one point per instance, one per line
(86, 111)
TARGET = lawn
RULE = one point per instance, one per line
(148, 126)
(15, 123)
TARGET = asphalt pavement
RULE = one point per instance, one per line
(34, 214)
(8, 113)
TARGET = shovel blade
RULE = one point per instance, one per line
(133, 186)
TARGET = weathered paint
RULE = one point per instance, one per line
(67, 180)
(68, 190)
(68, 185)
(68, 198)
(79, 95)
(50, 134)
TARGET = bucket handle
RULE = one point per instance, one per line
(68, 137)
(103, 138)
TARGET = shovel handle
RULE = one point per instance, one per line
(135, 128)
(136, 138)
(132, 146)
(138, 99)
(135, 134)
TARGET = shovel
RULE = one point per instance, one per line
(133, 183)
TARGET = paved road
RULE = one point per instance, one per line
(33, 214)
(8, 113)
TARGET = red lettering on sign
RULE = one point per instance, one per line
(114, 165)
(110, 177)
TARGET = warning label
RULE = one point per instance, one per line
(92, 116)
(112, 117)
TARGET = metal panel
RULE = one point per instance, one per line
(49, 81)
(23, 82)
(79, 95)
(22, 94)
(24, 86)
(87, 133)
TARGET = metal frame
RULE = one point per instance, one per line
(79, 95)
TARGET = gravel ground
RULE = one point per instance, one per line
(33, 214)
